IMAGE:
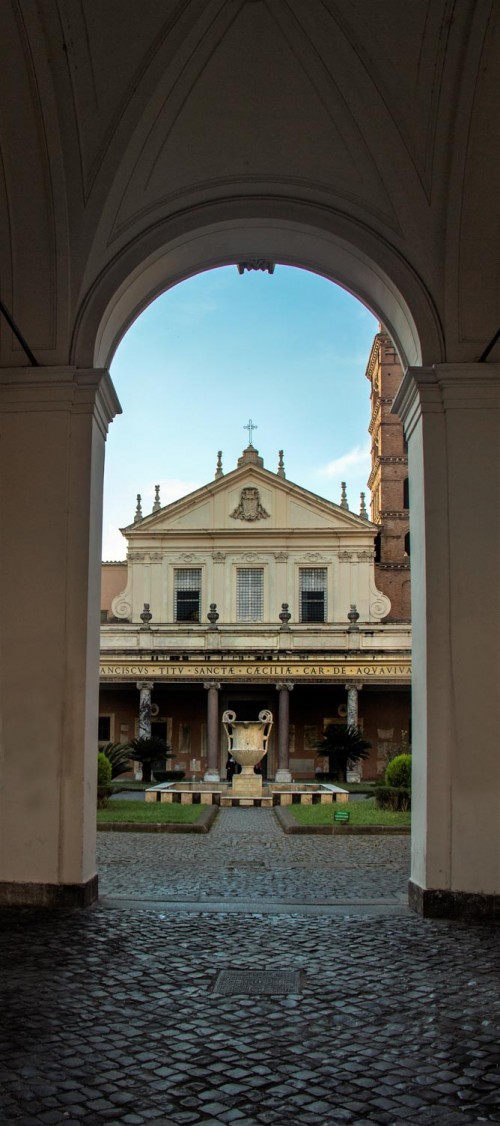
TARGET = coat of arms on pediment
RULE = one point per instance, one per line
(250, 507)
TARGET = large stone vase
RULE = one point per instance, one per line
(247, 743)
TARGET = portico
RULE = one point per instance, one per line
(131, 161)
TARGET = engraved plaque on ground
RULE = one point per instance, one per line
(258, 981)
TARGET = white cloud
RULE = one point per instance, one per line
(114, 545)
(357, 460)
(171, 488)
(353, 467)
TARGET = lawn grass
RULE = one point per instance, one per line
(357, 787)
(128, 784)
(152, 813)
(362, 813)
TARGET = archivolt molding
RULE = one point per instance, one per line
(289, 231)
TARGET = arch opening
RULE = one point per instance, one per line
(302, 236)
(331, 600)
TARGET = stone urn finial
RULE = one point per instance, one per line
(285, 616)
(213, 616)
(353, 617)
(146, 615)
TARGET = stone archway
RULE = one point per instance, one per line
(351, 145)
(288, 232)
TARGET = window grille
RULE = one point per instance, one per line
(187, 594)
(312, 586)
(250, 594)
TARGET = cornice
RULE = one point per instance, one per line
(373, 357)
(392, 566)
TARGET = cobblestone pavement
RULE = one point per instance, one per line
(110, 1015)
(247, 856)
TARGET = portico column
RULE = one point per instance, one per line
(451, 415)
(283, 772)
(352, 689)
(53, 423)
(145, 688)
(212, 773)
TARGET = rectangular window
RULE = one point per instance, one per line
(104, 729)
(187, 594)
(249, 594)
(312, 589)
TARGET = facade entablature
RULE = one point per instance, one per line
(172, 639)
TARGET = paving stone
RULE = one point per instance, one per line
(109, 1014)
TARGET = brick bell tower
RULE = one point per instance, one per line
(388, 480)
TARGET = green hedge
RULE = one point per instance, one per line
(169, 775)
(398, 771)
(103, 780)
(392, 797)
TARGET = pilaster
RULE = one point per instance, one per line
(451, 415)
(53, 427)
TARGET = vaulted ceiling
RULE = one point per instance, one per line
(124, 126)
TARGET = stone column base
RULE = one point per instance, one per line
(433, 903)
(211, 776)
(63, 896)
(283, 776)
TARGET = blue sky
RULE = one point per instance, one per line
(288, 350)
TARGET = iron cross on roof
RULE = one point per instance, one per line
(250, 426)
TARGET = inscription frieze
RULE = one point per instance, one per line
(158, 667)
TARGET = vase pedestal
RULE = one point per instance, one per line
(247, 785)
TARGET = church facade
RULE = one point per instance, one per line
(252, 593)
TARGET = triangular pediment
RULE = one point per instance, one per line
(249, 499)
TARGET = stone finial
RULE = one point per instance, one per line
(219, 472)
(353, 617)
(281, 464)
(146, 615)
(213, 616)
(157, 501)
(250, 456)
(343, 496)
(362, 506)
(285, 616)
(138, 510)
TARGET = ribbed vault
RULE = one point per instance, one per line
(125, 129)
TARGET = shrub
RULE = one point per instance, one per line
(169, 775)
(392, 797)
(398, 771)
(119, 757)
(150, 752)
(103, 780)
(342, 744)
